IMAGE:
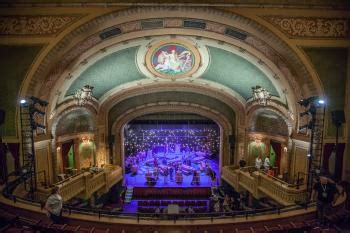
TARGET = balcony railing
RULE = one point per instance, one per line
(259, 184)
(87, 183)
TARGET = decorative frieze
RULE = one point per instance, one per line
(311, 26)
(35, 25)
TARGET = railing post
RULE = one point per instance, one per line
(99, 214)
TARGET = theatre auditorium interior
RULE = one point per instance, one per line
(183, 116)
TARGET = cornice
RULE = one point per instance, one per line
(36, 25)
(131, 26)
(311, 27)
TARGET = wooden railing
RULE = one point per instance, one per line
(87, 183)
(259, 184)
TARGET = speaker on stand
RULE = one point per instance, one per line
(338, 118)
(2, 121)
(231, 140)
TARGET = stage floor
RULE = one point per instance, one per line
(139, 180)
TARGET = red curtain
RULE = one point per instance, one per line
(65, 149)
(277, 147)
(3, 170)
(327, 151)
(14, 149)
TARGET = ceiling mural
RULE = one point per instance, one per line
(108, 72)
(170, 59)
(190, 21)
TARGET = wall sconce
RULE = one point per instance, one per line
(285, 149)
(58, 149)
(86, 140)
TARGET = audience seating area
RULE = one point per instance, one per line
(164, 203)
(150, 206)
(17, 224)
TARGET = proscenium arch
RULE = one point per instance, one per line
(118, 125)
(259, 57)
(155, 87)
(250, 56)
(213, 16)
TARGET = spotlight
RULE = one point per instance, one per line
(23, 101)
(308, 155)
(321, 101)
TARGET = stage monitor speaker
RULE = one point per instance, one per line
(2, 116)
(231, 139)
(338, 117)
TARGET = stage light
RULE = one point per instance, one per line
(23, 101)
(308, 155)
(321, 101)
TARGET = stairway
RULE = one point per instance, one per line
(316, 146)
(28, 151)
(128, 194)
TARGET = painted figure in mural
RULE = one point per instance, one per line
(173, 59)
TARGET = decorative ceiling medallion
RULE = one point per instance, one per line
(172, 59)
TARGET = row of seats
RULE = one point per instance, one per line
(152, 210)
(168, 202)
(311, 226)
(16, 224)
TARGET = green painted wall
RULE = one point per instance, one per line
(14, 64)
(111, 71)
(236, 73)
(331, 66)
(71, 157)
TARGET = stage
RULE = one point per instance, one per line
(159, 170)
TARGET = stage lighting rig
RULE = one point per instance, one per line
(306, 102)
(36, 109)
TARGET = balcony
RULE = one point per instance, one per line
(87, 183)
(260, 185)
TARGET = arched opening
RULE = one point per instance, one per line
(268, 137)
(75, 141)
(171, 150)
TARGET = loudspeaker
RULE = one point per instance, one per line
(338, 117)
(2, 116)
(231, 139)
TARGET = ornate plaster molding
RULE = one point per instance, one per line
(311, 27)
(205, 15)
(34, 25)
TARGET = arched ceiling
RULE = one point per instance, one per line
(223, 67)
(75, 121)
(171, 96)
